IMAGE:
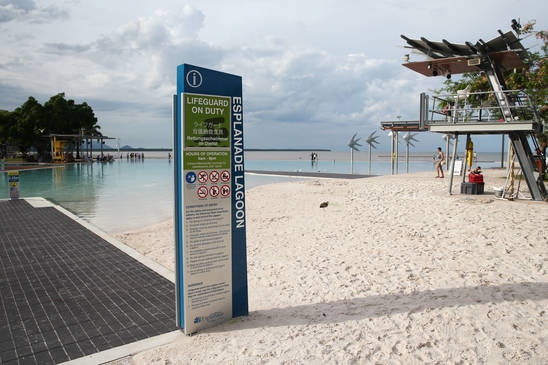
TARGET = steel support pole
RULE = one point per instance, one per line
(453, 159)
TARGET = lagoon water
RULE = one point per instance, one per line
(128, 194)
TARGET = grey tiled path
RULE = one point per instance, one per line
(66, 292)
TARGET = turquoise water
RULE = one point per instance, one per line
(118, 196)
(127, 194)
(356, 163)
(112, 196)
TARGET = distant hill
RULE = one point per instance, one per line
(96, 146)
(129, 148)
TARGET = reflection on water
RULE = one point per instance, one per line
(112, 196)
(72, 187)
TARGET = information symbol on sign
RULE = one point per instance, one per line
(214, 191)
(225, 176)
(214, 176)
(202, 176)
(225, 190)
(194, 78)
(202, 192)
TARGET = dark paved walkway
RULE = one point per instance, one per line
(67, 293)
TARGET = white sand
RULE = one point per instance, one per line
(394, 271)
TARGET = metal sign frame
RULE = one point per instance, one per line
(210, 219)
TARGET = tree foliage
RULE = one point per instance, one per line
(27, 125)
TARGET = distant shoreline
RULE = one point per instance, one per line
(330, 175)
(246, 149)
(285, 149)
(110, 149)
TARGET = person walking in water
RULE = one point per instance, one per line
(439, 160)
(314, 158)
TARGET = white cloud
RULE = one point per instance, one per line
(28, 11)
(314, 73)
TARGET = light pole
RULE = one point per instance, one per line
(397, 146)
(394, 141)
(447, 138)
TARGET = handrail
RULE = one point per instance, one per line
(481, 107)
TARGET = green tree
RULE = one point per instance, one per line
(6, 124)
(66, 117)
(28, 125)
(25, 132)
(88, 121)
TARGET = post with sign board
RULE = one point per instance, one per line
(210, 222)
(13, 181)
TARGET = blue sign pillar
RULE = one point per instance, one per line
(210, 220)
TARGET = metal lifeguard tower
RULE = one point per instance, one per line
(500, 111)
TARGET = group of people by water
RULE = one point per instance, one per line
(134, 156)
(109, 158)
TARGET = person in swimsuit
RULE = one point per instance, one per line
(439, 161)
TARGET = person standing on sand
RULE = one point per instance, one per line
(439, 161)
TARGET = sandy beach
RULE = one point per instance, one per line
(393, 271)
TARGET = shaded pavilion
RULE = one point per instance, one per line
(59, 142)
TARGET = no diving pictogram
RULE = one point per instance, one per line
(225, 190)
(202, 192)
(202, 177)
(225, 176)
(214, 176)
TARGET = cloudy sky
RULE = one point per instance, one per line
(314, 72)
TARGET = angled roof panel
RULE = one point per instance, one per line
(505, 50)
